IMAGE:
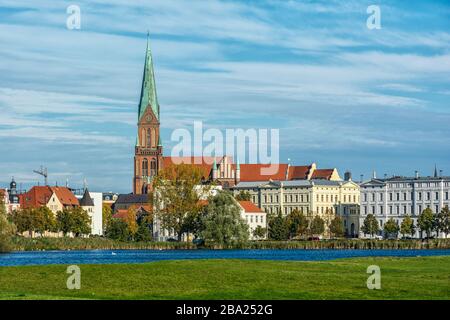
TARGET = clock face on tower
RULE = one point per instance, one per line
(149, 118)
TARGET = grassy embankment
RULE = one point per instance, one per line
(401, 278)
(28, 244)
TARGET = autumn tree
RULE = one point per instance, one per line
(317, 226)
(106, 215)
(6, 228)
(130, 220)
(337, 227)
(177, 195)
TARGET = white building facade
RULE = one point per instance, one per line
(398, 197)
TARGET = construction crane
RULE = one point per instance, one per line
(43, 172)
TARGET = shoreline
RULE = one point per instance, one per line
(20, 244)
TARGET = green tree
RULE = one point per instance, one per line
(370, 225)
(243, 196)
(144, 232)
(426, 222)
(297, 224)
(278, 227)
(75, 220)
(6, 228)
(337, 227)
(117, 229)
(259, 232)
(33, 220)
(177, 197)
(443, 221)
(48, 219)
(317, 226)
(391, 228)
(407, 227)
(222, 222)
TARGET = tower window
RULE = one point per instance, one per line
(153, 167)
(149, 138)
(145, 168)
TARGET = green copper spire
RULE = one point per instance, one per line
(148, 91)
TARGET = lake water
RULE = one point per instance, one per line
(141, 256)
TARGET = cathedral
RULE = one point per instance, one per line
(148, 150)
(148, 154)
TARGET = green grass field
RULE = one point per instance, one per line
(401, 278)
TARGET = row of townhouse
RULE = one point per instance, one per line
(385, 198)
(56, 199)
(321, 197)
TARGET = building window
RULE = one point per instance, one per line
(437, 195)
(390, 210)
(405, 209)
(373, 209)
(420, 209)
(428, 196)
(420, 196)
(381, 197)
(398, 196)
(446, 196)
(365, 197)
(145, 168)
(381, 209)
(437, 209)
(149, 138)
(153, 167)
(390, 196)
(405, 196)
(373, 196)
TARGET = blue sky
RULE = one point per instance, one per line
(342, 95)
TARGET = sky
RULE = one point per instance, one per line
(342, 95)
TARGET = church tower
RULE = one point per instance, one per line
(148, 149)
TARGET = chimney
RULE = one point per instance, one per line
(348, 176)
(362, 178)
(417, 174)
(374, 175)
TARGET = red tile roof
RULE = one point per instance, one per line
(299, 172)
(254, 172)
(322, 174)
(66, 196)
(250, 207)
(40, 195)
(204, 163)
